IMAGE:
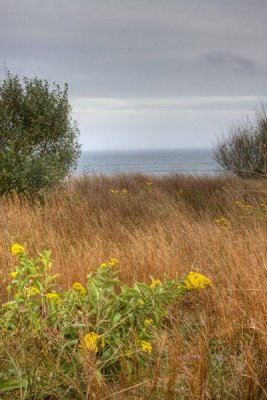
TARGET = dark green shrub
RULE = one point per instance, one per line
(38, 139)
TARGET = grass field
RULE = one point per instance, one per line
(215, 339)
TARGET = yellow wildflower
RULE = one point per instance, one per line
(93, 341)
(33, 291)
(141, 302)
(53, 297)
(78, 287)
(149, 184)
(114, 191)
(146, 346)
(17, 249)
(14, 274)
(113, 262)
(195, 280)
(129, 354)
(221, 221)
(155, 283)
(149, 321)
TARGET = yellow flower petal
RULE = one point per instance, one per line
(92, 341)
(146, 346)
(155, 283)
(78, 287)
(195, 280)
(16, 248)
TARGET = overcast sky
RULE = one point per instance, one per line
(143, 73)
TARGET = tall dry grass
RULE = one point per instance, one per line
(218, 346)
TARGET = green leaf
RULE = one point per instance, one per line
(12, 385)
(52, 278)
(117, 316)
(36, 321)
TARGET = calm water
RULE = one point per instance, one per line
(196, 162)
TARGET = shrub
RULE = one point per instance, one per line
(88, 333)
(38, 139)
(244, 151)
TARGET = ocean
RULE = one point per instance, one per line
(153, 162)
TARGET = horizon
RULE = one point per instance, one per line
(149, 161)
(146, 150)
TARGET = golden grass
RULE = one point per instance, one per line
(167, 227)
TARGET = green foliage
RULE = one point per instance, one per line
(104, 326)
(38, 139)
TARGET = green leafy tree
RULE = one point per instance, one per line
(38, 138)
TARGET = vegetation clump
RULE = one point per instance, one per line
(101, 327)
(38, 138)
(244, 151)
(210, 344)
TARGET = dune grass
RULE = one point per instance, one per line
(215, 339)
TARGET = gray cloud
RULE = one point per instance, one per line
(87, 43)
(178, 48)
(225, 60)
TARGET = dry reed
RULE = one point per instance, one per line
(167, 225)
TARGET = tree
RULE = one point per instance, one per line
(244, 151)
(38, 138)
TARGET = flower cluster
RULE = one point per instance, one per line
(53, 297)
(155, 283)
(146, 346)
(247, 207)
(17, 249)
(194, 280)
(79, 288)
(249, 210)
(221, 221)
(93, 342)
(117, 192)
(110, 264)
(33, 291)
